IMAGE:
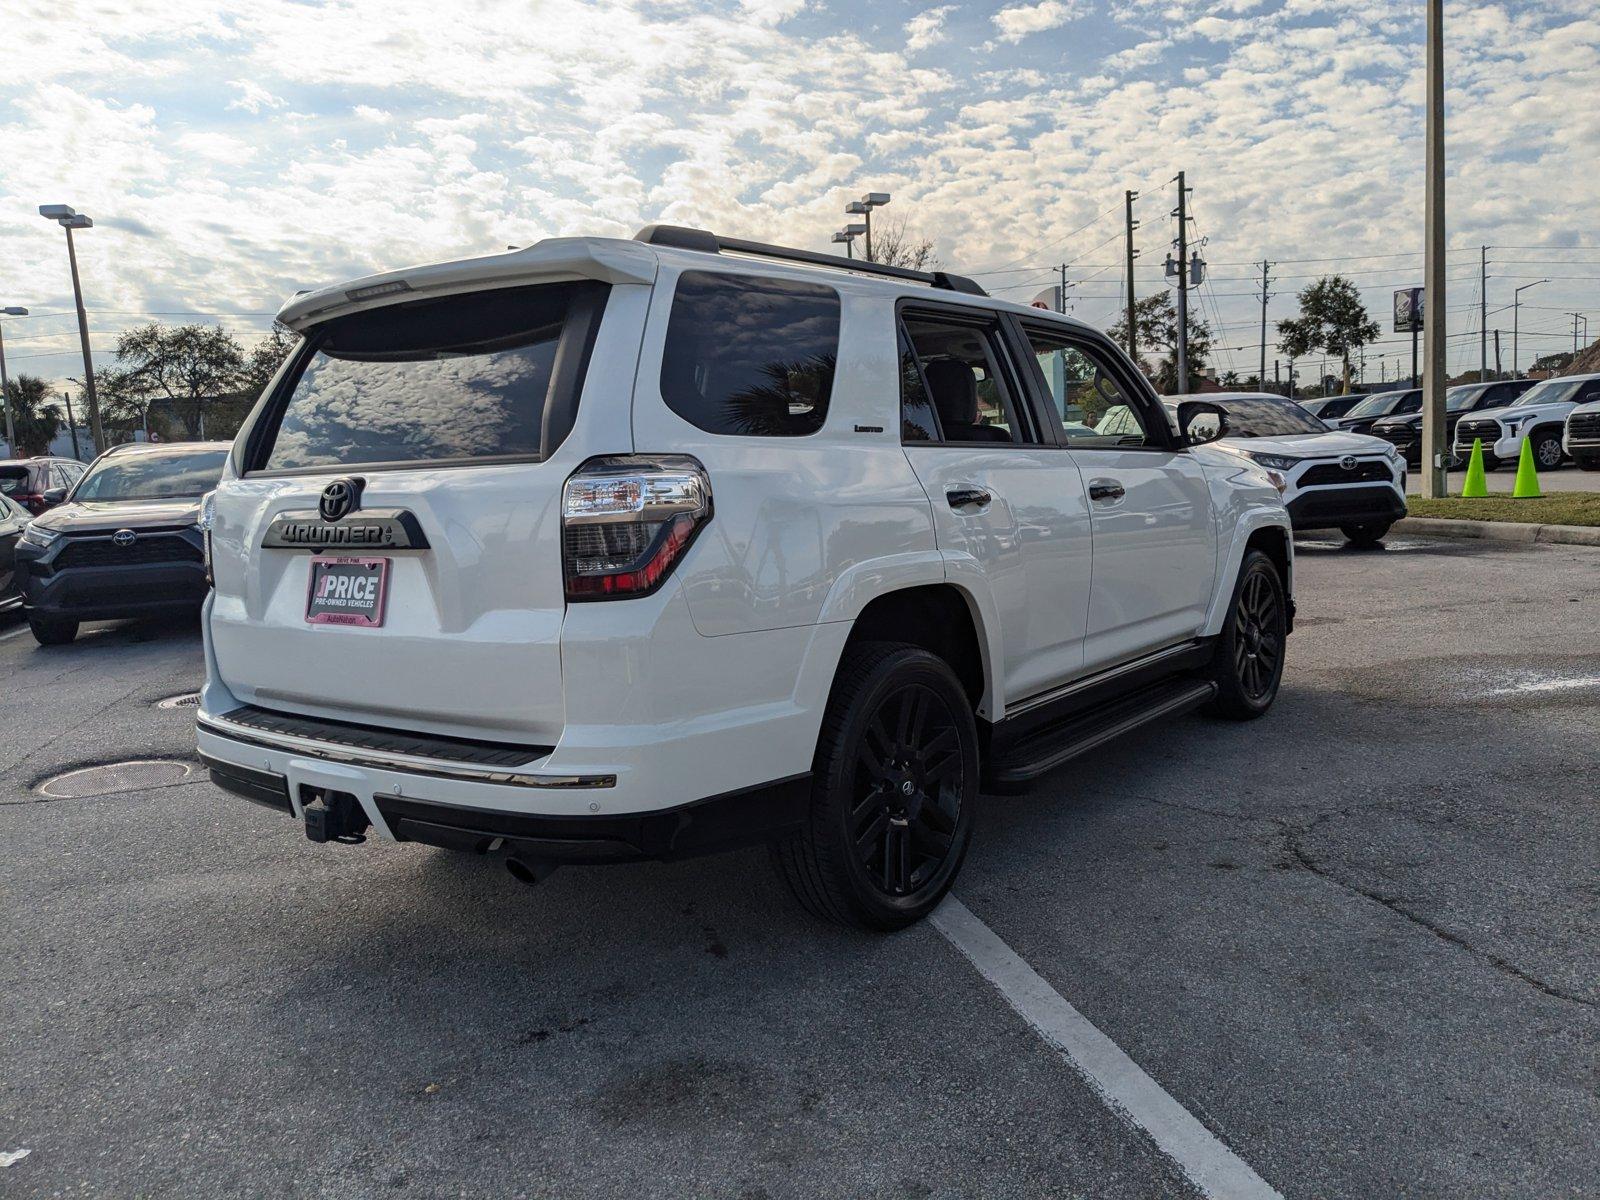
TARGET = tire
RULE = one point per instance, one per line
(52, 631)
(894, 783)
(1547, 452)
(1249, 663)
(1366, 536)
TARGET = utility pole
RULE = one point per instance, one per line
(1575, 317)
(71, 425)
(1061, 296)
(1183, 286)
(1133, 334)
(1277, 375)
(5, 388)
(1483, 314)
(1498, 372)
(1265, 279)
(1436, 320)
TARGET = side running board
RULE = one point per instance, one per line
(1043, 750)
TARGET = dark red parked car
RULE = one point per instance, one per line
(28, 481)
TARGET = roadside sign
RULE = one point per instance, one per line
(1409, 310)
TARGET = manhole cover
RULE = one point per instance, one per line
(184, 700)
(108, 778)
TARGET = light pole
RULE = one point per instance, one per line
(1516, 325)
(69, 219)
(5, 385)
(848, 236)
(1435, 324)
(863, 208)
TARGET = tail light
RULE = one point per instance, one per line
(627, 520)
(32, 501)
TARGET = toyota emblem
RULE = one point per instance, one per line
(340, 498)
(124, 537)
(1348, 462)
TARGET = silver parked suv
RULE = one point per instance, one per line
(606, 549)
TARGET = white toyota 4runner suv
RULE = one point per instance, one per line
(606, 550)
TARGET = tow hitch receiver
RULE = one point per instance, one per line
(333, 816)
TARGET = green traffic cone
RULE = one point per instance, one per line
(1527, 485)
(1476, 487)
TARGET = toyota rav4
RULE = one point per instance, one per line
(604, 550)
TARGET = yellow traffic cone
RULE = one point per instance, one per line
(1476, 487)
(1527, 485)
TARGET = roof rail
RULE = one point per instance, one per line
(681, 237)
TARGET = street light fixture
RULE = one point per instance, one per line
(1516, 323)
(848, 236)
(5, 385)
(863, 208)
(69, 219)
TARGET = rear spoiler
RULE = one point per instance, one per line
(609, 260)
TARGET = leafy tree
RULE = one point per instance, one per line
(36, 418)
(124, 397)
(893, 246)
(1332, 320)
(1155, 322)
(266, 356)
(188, 364)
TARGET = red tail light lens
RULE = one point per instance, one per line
(627, 520)
(33, 502)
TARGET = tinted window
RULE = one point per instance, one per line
(13, 480)
(1094, 408)
(958, 368)
(1410, 404)
(462, 377)
(1262, 417)
(750, 356)
(152, 476)
(1461, 399)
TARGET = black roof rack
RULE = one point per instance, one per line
(683, 238)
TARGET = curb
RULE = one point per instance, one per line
(1500, 531)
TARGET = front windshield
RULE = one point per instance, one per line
(1460, 399)
(152, 476)
(1549, 391)
(1374, 406)
(1264, 417)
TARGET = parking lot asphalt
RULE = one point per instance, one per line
(1355, 939)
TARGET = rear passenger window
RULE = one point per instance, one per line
(952, 372)
(752, 357)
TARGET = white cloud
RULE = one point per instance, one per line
(252, 97)
(1020, 20)
(927, 28)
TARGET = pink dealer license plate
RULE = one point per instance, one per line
(347, 591)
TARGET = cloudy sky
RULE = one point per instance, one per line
(231, 151)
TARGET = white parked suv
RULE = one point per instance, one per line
(605, 550)
(1332, 479)
(1582, 437)
(1538, 415)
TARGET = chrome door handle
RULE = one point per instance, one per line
(1106, 489)
(967, 497)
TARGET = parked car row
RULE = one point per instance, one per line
(38, 483)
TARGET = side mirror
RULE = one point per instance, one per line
(55, 495)
(1194, 431)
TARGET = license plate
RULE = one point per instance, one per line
(347, 591)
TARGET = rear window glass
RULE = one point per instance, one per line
(463, 377)
(13, 480)
(750, 356)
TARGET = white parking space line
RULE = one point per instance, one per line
(1216, 1170)
(17, 632)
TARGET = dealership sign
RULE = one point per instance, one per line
(1408, 310)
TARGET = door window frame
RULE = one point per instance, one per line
(1013, 378)
(1140, 395)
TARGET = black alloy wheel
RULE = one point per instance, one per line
(894, 783)
(1248, 666)
(1258, 648)
(907, 789)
